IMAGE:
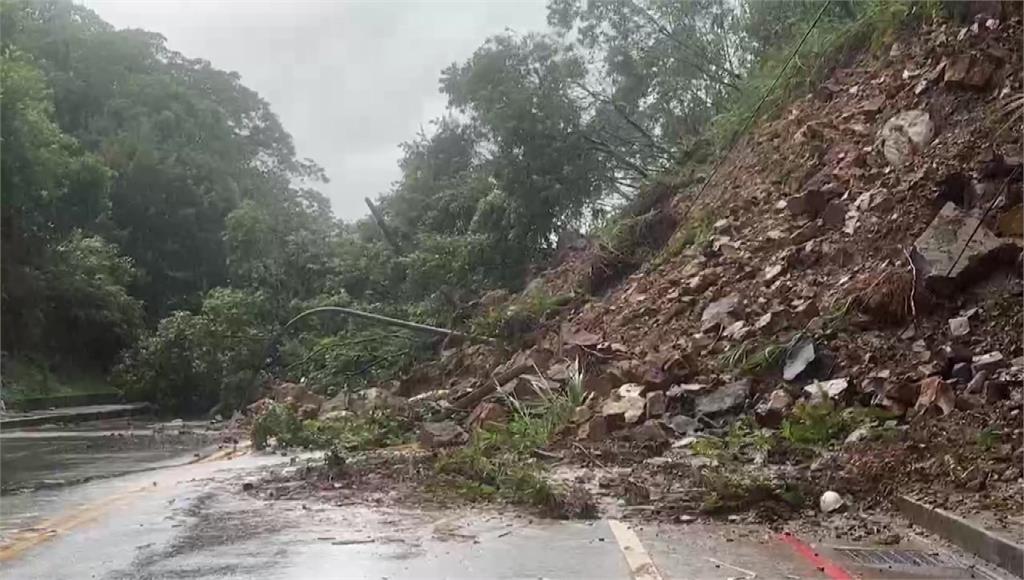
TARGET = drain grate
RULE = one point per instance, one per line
(910, 558)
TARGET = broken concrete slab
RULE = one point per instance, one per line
(937, 252)
(724, 399)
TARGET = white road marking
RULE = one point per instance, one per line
(640, 564)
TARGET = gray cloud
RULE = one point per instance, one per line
(349, 80)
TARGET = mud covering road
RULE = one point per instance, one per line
(193, 521)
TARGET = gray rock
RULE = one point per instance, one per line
(771, 411)
(625, 405)
(797, 360)
(656, 403)
(961, 372)
(834, 215)
(442, 434)
(822, 390)
(936, 250)
(721, 313)
(989, 362)
(906, 134)
(375, 399)
(650, 432)
(977, 384)
(724, 399)
(960, 326)
(683, 425)
(862, 433)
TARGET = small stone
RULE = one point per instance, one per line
(686, 519)
(656, 404)
(959, 326)
(1011, 474)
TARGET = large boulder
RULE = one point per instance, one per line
(936, 251)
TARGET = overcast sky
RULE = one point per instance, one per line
(349, 80)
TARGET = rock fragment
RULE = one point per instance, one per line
(721, 313)
(441, 434)
(724, 399)
(770, 412)
(946, 261)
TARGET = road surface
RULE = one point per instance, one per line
(193, 521)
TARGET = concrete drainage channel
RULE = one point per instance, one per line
(969, 536)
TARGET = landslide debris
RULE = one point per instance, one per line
(840, 312)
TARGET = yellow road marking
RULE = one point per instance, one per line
(641, 567)
(23, 540)
(20, 541)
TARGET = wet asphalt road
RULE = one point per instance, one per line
(192, 521)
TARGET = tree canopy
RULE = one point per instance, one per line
(157, 219)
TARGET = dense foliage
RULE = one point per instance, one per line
(157, 222)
